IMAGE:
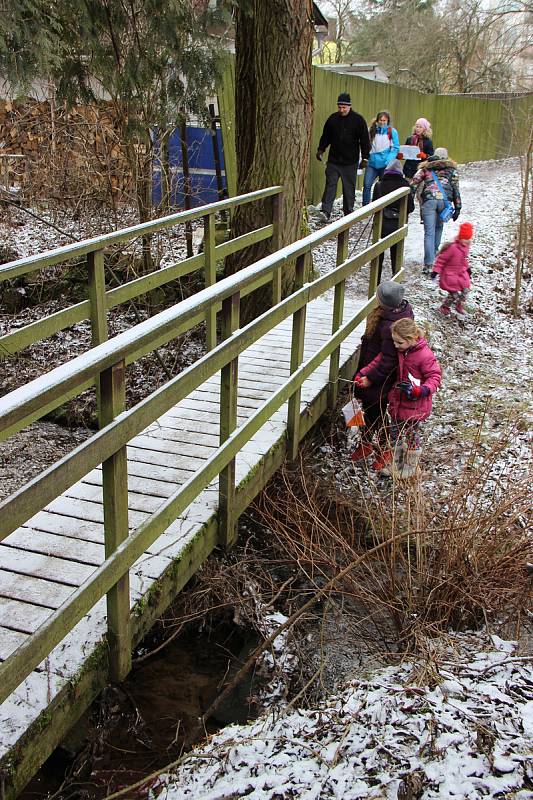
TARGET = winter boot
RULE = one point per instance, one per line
(460, 310)
(410, 464)
(444, 310)
(394, 467)
(384, 458)
(363, 451)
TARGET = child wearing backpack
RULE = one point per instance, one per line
(452, 272)
(410, 401)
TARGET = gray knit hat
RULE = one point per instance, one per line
(394, 166)
(441, 152)
(390, 294)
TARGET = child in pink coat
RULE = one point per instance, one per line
(452, 271)
(410, 401)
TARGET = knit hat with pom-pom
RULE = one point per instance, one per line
(466, 231)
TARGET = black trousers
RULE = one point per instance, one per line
(347, 175)
(376, 420)
(388, 226)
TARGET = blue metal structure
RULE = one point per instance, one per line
(202, 174)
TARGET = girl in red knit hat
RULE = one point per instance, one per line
(452, 272)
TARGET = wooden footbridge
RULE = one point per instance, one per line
(96, 547)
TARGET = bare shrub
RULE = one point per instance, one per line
(463, 562)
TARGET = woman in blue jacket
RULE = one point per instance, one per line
(384, 147)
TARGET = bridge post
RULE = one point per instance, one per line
(297, 354)
(277, 207)
(115, 496)
(98, 309)
(210, 268)
(374, 264)
(401, 245)
(228, 422)
(338, 313)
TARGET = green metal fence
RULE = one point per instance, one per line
(104, 365)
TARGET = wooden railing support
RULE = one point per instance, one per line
(210, 277)
(374, 264)
(297, 354)
(400, 247)
(229, 376)
(277, 209)
(338, 313)
(98, 310)
(115, 497)
(107, 446)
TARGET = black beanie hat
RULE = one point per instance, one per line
(344, 99)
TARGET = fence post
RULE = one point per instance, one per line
(210, 269)
(115, 496)
(297, 353)
(98, 310)
(374, 264)
(277, 206)
(401, 245)
(186, 184)
(338, 312)
(228, 422)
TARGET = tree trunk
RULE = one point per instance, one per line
(274, 109)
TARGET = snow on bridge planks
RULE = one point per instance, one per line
(46, 559)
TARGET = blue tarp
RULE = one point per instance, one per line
(202, 175)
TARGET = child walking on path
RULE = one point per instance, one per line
(452, 271)
(410, 401)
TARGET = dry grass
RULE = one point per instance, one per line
(463, 563)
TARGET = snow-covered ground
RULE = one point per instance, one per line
(468, 731)
(468, 736)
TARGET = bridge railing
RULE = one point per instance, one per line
(94, 250)
(106, 363)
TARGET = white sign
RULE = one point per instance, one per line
(409, 151)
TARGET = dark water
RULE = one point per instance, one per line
(142, 725)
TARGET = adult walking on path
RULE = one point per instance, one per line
(376, 375)
(439, 169)
(421, 138)
(346, 135)
(392, 179)
(384, 148)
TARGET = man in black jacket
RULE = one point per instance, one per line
(346, 135)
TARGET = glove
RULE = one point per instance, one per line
(412, 392)
(364, 163)
(435, 278)
(456, 214)
(406, 387)
(319, 155)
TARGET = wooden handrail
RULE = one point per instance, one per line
(105, 363)
(21, 266)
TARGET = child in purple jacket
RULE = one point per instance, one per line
(410, 401)
(452, 271)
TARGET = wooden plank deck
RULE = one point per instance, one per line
(46, 559)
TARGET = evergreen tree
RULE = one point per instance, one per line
(152, 60)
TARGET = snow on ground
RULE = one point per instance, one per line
(468, 736)
(468, 733)
(388, 734)
(486, 359)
